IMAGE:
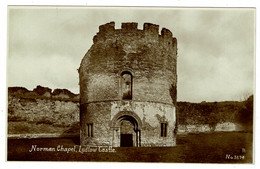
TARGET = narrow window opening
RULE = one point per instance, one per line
(163, 129)
(90, 129)
(127, 86)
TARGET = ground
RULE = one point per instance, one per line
(222, 147)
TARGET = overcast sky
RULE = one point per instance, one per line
(215, 47)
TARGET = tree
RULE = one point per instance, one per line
(246, 113)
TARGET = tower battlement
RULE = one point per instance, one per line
(150, 31)
(151, 28)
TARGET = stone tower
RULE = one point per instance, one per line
(128, 87)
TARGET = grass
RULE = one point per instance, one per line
(41, 127)
(191, 148)
(33, 128)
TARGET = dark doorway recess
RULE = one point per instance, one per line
(126, 140)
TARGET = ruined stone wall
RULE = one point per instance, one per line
(42, 112)
(34, 115)
(150, 58)
(212, 117)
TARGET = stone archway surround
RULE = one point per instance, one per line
(116, 122)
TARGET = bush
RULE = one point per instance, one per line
(245, 114)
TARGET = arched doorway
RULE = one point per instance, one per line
(126, 130)
(127, 134)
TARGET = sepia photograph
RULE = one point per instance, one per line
(130, 84)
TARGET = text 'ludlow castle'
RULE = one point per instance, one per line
(128, 84)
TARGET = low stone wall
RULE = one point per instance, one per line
(220, 127)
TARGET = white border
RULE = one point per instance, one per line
(175, 3)
(170, 3)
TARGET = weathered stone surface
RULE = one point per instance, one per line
(43, 92)
(38, 108)
(49, 111)
(200, 128)
(147, 100)
(32, 115)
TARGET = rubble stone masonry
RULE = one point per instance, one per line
(129, 75)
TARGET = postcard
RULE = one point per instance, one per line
(139, 84)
